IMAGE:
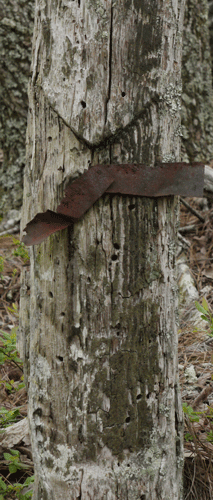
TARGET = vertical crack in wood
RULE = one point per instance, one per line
(110, 266)
(110, 63)
(32, 91)
(81, 481)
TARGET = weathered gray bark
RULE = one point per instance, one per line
(16, 26)
(98, 332)
(197, 95)
(210, 26)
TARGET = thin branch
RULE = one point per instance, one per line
(183, 240)
(192, 210)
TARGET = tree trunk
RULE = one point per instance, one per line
(98, 332)
(16, 26)
(197, 95)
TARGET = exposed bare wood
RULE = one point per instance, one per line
(15, 434)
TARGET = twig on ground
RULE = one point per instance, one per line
(192, 210)
(202, 396)
(183, 240)
(12, 230)
(187, 229)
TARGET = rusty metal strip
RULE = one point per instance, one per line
(43, 225)
(82, 193)
(136, 180)
(162, 180)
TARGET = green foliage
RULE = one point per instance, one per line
(7, 489)
(14, 310)
(20, 250)
(188, 437)
(11, 386)
(1, 266)
(14, 461)
(9, 352)
(206, 314)
(3, 488)
(193, 415)
(210, 437)
(8, 417)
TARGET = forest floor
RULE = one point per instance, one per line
(195, 360)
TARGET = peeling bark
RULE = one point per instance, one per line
(104, 403)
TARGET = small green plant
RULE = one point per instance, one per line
(206, 314)
(8, 417)
(20, 250)
(1, 266)
(14, 461)
(9, 352)
(193, 415)
(210, 436)
(7, 489)
(14, 310)
(12, 386)
(3, 489)
(188, 437)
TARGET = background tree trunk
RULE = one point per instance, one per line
(197, 95)
(99, 328)
(16, 27)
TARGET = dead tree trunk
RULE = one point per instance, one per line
(98, 332)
